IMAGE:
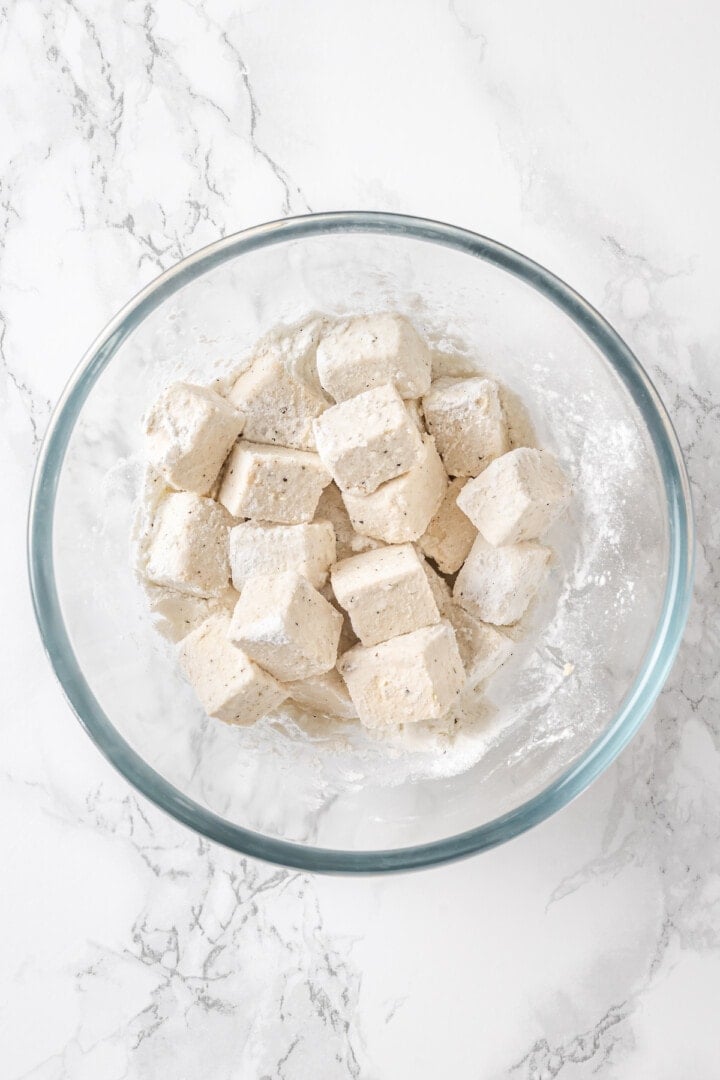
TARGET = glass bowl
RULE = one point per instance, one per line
(598, 644)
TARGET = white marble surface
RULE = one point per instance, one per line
(586, 135)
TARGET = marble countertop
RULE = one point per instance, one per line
(132, 133)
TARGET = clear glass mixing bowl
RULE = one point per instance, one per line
(599, 643)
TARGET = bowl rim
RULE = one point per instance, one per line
(635, 705)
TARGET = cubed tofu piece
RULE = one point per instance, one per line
(325, 695)
(517, 498)
(176, 614)
(285, 625)
(331, 508)
(367, 440)
(272, 483)
(450, 535)
(277, 407)
(189, 431)
(467, 419)
(442, 593)
(188, 545)
(270, 549)
(483, 648)
(371, 350)
(401, 509)
(228, 684)
(406, 679)
(385, 593)
(497, 584)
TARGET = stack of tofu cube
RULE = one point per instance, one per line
(355, 534)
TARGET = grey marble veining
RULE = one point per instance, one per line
(133, 133)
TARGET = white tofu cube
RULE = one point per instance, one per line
(325, 695)
(370, 351)
(189, 431)
(331, 508)
(406, 679)
(277, 407)
(497, 584)
(401, 509)
(385, 593)
(228, 684)
(483, 648)
(450, 535)
(272, 483)
(367, 440)
(285, 625)
(176, 614)
(187, 550)
(269, 549)
(467, 419)
(517, 497)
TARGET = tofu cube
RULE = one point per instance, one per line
(468, 421)
(270, 549)
(331, 508)
(228, 685)
(325, 695)
(277, 407)
(189, 432)
(285, 625)
(450, 535)
(188, 545)
(483, 648)
(404, 680)
(367, 440)
(401, 509)
(385, 593)
(272, 483)
(176, 614)
(361, 353)
(517, 497)
(497, 584)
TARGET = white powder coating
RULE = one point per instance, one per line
(401, 509)
(256, 548)
(189, 432)
(483, 648)
(331, 508)
(272, 483)
(450, 535)
(324, 694)
(371, 350)
(187, 550)
(284, 624)
(229, 686)
(405, 680)
(385, 592)
(367, 440)
(518, 497)
(177, 614)
(468, 421)
(277, 407)
(496, 584)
